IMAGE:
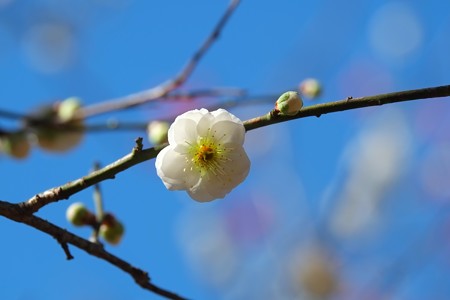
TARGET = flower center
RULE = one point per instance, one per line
(207, 156)
(205, 153)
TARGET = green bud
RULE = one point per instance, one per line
(157, 132)
(311, 88)
(111, 230)
(78, 214)
(289, 103)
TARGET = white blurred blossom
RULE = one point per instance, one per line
(375, 161)
(205, 155)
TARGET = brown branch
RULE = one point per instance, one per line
(66, 249)
(15, 212)
(136, 156)
(163, 89)
(349, 103)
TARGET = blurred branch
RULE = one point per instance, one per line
(163, 89)
(10, 115)
(16, 213)
(349, 103)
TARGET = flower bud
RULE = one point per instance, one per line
(111, 230)
(68, 108)
(78, 214)
(311, 88)
(157, 132)
(289, 103)
(15, 145)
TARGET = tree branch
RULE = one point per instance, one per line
(166, 87)
(138, 155)
(23, 212)
(349, 103)
(15, 212)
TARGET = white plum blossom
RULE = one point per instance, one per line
(205, 155)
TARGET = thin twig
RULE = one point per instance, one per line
(108, 172)
(15, 212)
(166, 87)
(66, 250)
(11, 115)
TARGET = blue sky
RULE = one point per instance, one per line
(365, 189)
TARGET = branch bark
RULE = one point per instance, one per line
(136, 156)
(349, 103)
(16, 213)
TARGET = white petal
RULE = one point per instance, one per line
(234, 171)
(204, 124)
(200, 194)
(223, 115)
(226, 132)
(203, 192)
(177, 127)
(238, 166)
(183, 130)
(194, 115)
(174, 171)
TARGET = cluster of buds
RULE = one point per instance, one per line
(109, 228)
(54, 127)
(57, 127)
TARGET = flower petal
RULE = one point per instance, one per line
(238, 166)
(171, 167)
(223, 115)
(182, 131)
(200, 193)
(226, 132)
(204, 124)
(234, 171)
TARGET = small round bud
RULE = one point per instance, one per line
(62, 132)
(311, 88)
(289, 103)
(78, 214)
(157, 132)
(111, 230)
(15, 145)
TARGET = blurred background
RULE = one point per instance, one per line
(352, 205)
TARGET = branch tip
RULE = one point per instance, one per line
(139, 146)
(65, 248)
